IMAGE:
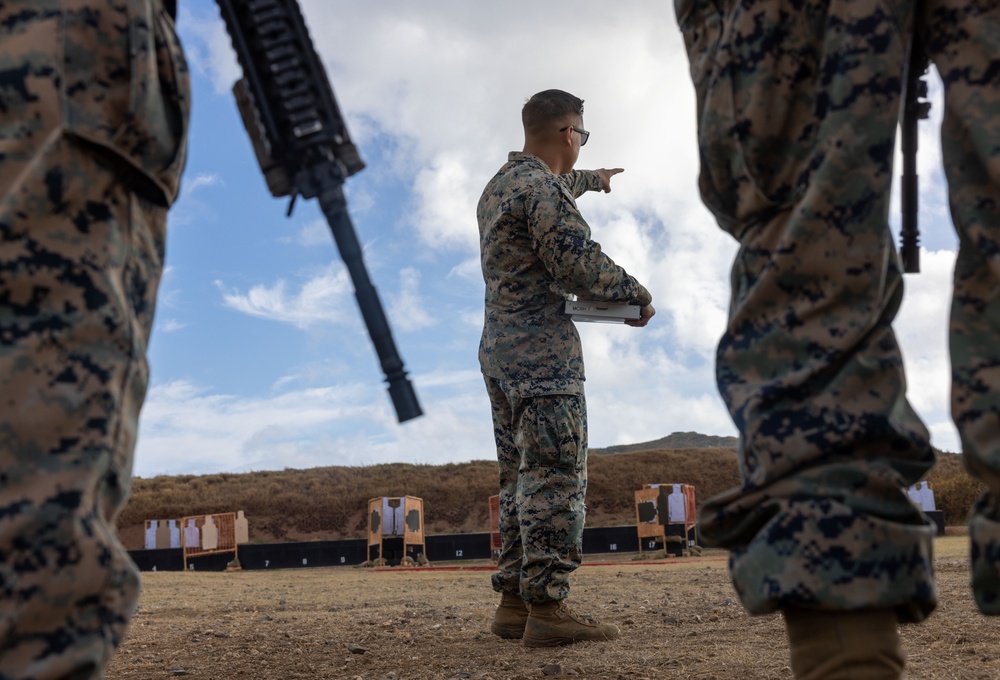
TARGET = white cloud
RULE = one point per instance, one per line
(168, 297)
(191, 429)
(195, 184)
(922, 330)
(323, 299)
(210, 54)
(432, 92)
(470, 271)
(314, 233)
(445, 191)
(408, 309)
(171, 325)
(313, 374)
(639, 389)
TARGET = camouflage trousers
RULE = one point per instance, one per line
(541, 441)
(81, 254)
(797, 111)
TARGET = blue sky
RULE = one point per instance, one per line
(259, 357)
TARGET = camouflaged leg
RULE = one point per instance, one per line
(797, 114)
(963, 39)
(551, 492)
(77, 287)
(549, 434)
(80, 259)
(508, 575)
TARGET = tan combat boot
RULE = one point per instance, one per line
(552, 623)
(844, 645)
(510, 617)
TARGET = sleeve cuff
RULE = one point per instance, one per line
(643, 297)
(595, 181)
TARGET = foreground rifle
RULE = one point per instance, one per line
(915, 109)
(302, 145)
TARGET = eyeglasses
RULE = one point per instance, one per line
(584, 135)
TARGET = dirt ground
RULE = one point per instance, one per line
(679, 619)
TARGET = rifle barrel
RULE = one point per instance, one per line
(909, 190)
(334, 207)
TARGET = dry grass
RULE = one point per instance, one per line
(330, 503)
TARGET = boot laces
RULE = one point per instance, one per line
(583, 618)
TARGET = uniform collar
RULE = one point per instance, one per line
(524, 157)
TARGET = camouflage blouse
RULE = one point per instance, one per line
(536, 249)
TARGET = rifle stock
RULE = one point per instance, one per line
(301, 142)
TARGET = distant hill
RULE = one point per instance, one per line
(329, 503)
(677, 440)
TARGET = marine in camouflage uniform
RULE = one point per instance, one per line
(94, 101)
(536, 248)
(797, 109)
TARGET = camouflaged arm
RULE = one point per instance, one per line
(580, 182)
(561, 239)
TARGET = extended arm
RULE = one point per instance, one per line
(581, 181)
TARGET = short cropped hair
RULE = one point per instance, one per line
(550, 106)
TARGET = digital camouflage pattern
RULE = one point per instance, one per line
(536, 248)
(94, 101)
(797, 110)
(542, 497)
